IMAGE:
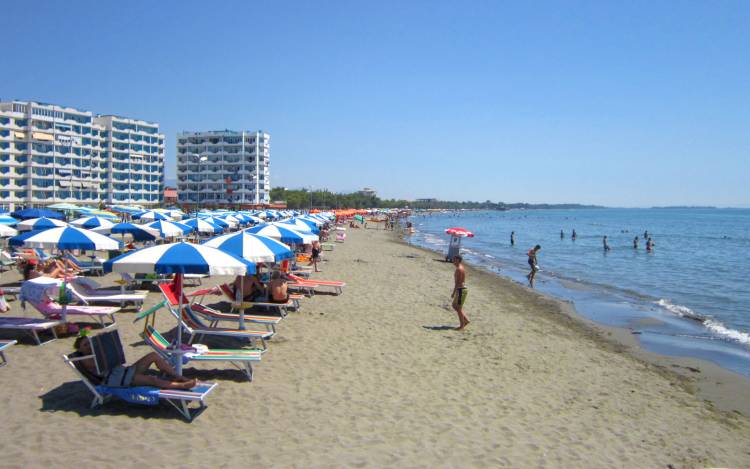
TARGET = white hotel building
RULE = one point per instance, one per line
(51, 154)
(223, 167)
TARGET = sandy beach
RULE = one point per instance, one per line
(376, 377)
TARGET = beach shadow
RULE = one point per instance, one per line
(442, 259)
(73, 396)
(440, 328)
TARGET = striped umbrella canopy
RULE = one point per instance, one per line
(150, 215)
(251, 218)
(66, 238)
(202, 225)
(304, 225)
(44, 223)
(6, 231)
(6, 219)
(230, 220)
(285, 235)
(27, 213)
(217, 221)
(304, 230)
(180, 258)
(138, 232)
(170, 229)
(251, 247)
(98, 224)
(308, 219)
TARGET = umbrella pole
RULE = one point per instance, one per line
(178, 290)
(239, 297)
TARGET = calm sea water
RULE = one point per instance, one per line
(688, 297)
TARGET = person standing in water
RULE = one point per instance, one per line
(574, 235)
(562, 235)
(605, 244)
(645, 234)
(635, 242)
(512, 238)
(650, 245)
(533, 264)
(459, 292)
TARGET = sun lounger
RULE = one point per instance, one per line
(281, 308)
(196, 328)
(92, 266)
(53, 310)
(327, 246)
(108, 353)
(31, 326)
(4, 345)
(188, 279)
(90, 297)
(240, 358)
(299, 282)
(214, 316)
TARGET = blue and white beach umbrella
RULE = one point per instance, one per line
(138, 232)
(6, 231)
(303, 230)
(98, 224)
(6, 219)
(217, 221)
(180, 259)
(150, 215)
(251, 247)
(170, 229)
(35, 224)
(285, 235)
(304, 225)
(202, 225)
(66, 238)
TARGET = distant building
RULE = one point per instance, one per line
(170, 195)
(224, 167)
(369, 192)
(51, 154)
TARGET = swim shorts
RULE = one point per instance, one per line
(461, 295)
(120, 377)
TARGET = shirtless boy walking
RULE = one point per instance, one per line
(459, 292)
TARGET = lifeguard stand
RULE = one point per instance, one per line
(454, 248)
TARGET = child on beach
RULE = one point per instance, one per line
(459, 292)
(533, 264)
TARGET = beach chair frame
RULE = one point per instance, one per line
(5, 344)
(178, 399)
(32, 329)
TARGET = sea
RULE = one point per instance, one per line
(688, 297)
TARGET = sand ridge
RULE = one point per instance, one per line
(376, 377)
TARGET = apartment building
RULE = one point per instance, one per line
(51, 154)
(224, 167)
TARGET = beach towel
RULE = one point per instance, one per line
(144, 395)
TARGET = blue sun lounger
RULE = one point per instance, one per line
(108, 353)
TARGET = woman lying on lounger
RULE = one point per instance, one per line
(135, 374)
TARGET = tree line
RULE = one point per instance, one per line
(327, 200)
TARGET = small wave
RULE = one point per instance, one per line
(711, 324)
(720, 329)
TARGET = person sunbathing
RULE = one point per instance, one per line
(135, 374)
(278, 286)
(249, 285)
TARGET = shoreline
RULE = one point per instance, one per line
(717, 386)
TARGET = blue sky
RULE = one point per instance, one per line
(613, 103)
